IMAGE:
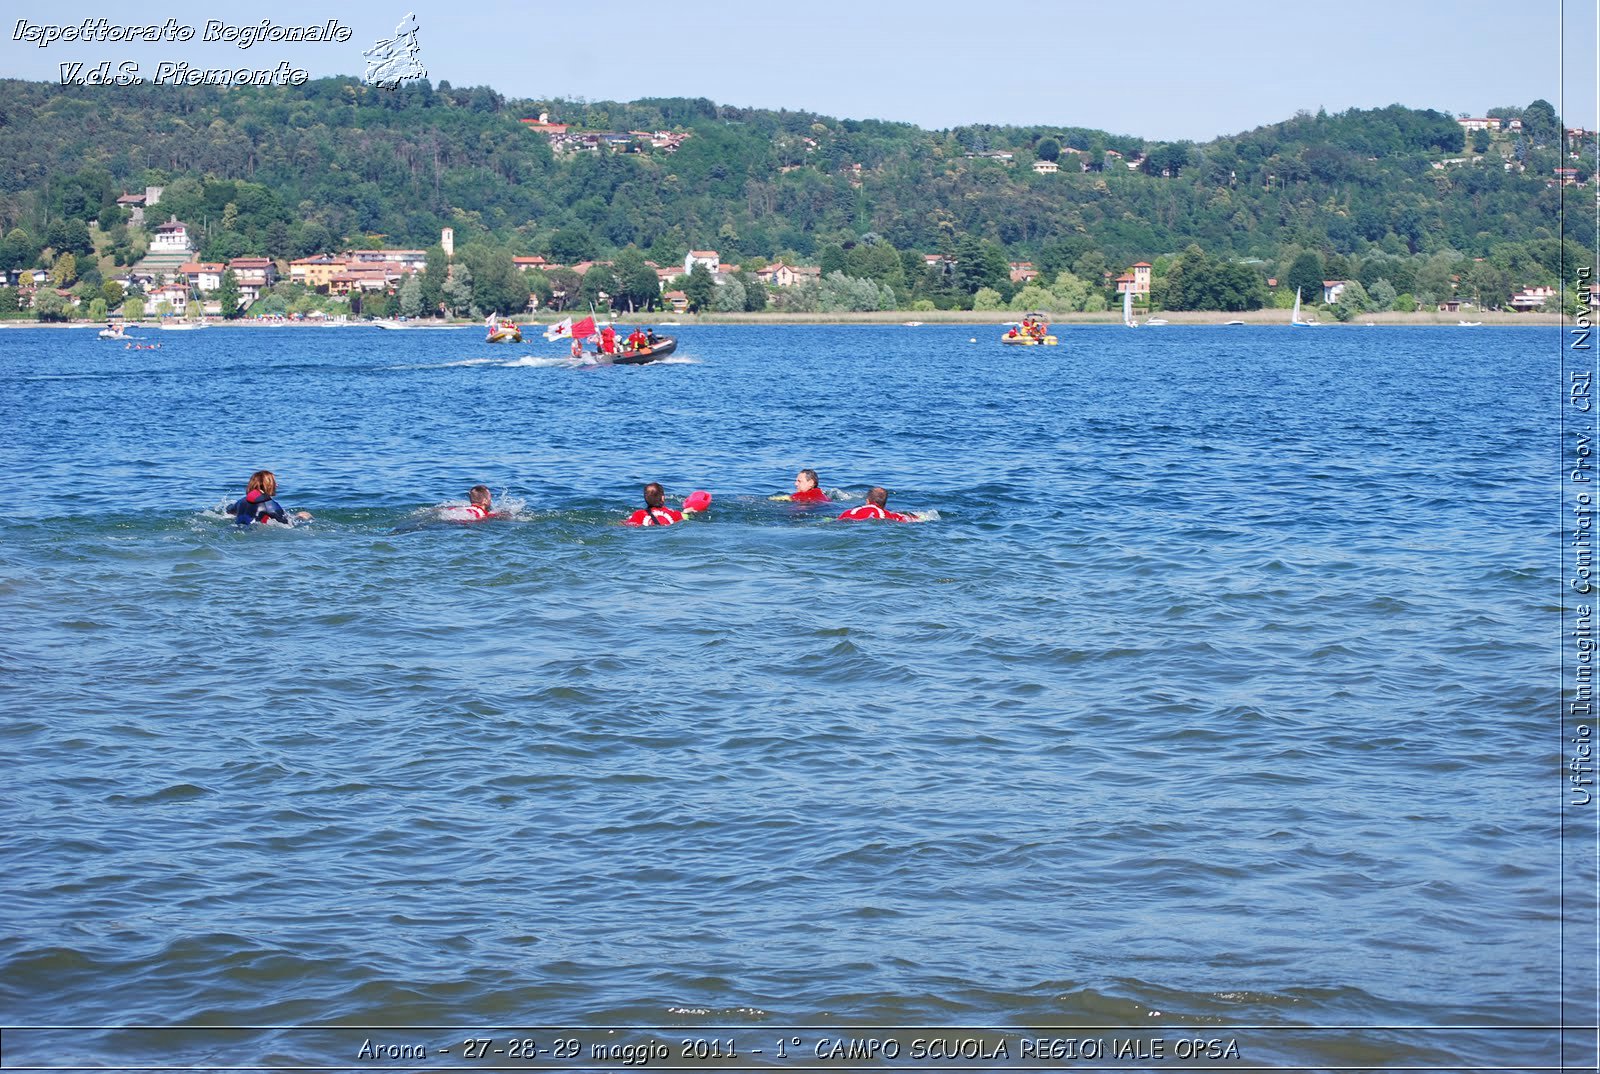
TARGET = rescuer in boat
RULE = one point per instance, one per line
(638, 341)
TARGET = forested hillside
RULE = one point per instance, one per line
(288, 172)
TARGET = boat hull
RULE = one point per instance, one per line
(650, 354)
(1028, 341)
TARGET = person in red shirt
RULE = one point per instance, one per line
(480, 504)
(608, 340)
(874, 509)
(805, 489)
(655, 511)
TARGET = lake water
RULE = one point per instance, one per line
(1216, 697)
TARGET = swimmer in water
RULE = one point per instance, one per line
(875, 508)
(258, 503)
(479, 503)
(805, 489)
(655, 511)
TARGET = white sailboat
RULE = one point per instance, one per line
(1127, 310)
(1294, 318)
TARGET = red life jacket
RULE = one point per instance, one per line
(810, 496)
(869, 512)
(657, 516)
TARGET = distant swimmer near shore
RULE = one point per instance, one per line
(875, 509)
(656, 512)
(259, 503)
(805, 489)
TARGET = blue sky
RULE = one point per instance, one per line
(1162, 69)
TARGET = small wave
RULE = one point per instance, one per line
(533, 361)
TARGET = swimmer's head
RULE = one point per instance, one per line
(805, 481)
(478, 495)
(654, 495)
(878, 496)
(264, 482)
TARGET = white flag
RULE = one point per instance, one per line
(560, 330)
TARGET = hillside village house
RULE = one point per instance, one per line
(171, 237)
(406, 261)
(1332, 289)
(204, 276)
(1045, 167)
(253, 275)
(1136, 279)
(677, 300)
(175, 295)
(1023, 272)
(708, 258)
(316, 272)
(1480, 124)
(1532, 298)
(530, 264)
(781, 275)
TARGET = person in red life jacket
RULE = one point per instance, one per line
(805, 489)
(480, 505)
(258, 503)
(608, 340)
(655, 511)
(874, 509)
(637, 340)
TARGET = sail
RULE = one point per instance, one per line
(1127, 308)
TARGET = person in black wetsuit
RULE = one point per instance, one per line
(258, 505)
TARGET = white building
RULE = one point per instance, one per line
(708, 258)
(171, 237)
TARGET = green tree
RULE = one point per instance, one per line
(49, 306)
(411, 295)
(497, 286)
(1353, 299)
(599, 287)
(112, 292)
(458, 290)
(728, 297)
(1540, 125)
(987, 298)
(1048, 149)
(565, 287)
(97, 309)
(17, 251)
(8, 300)
(755, 294)
(699, 287)
(70, 236)
(637, 285)
(64, 271)
(572, 244)
(133, 308)
(435, 273)
(228, 295)
(1305, 275)
(1489, 285)
(1382, 296)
